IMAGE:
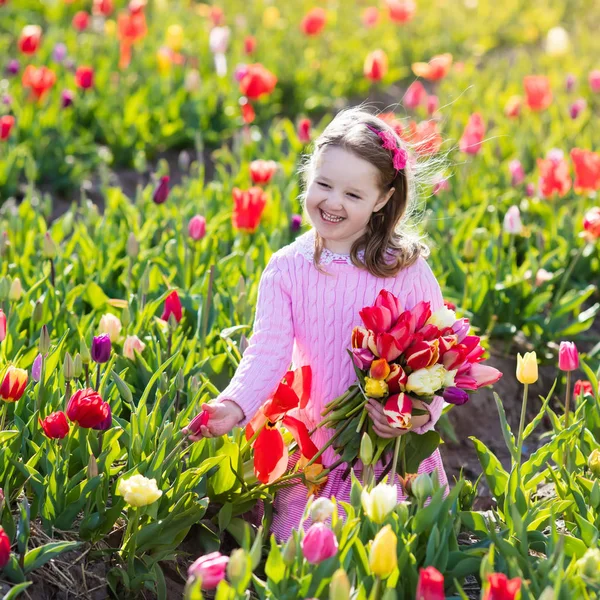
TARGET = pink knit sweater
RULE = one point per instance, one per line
(308, 317)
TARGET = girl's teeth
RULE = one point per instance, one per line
(331, 218)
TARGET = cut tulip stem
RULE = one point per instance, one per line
(397, 448)
(522, 424)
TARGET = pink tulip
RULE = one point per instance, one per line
(594, 81)
(472, 138)
(512, 221)
(517, 172)
(2, 325)
(377, 318)
(577, 107)
(433, 104)
(389, 301)
(319, 543)
(210, 568)
(568, 358)
(480, 376)
(197, 227)
(362, 358)
(461, 328)
(415, 95)
(529, 190)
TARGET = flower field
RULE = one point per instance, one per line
(149, 156)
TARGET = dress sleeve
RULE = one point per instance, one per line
(268, 355)
(426, 287)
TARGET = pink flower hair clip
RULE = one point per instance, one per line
(400, 155)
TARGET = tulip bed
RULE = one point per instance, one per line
(117, 325)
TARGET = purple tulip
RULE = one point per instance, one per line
(530, 189)
(36, 369)
(161, 193)
(106, 424)
(570, 82)
(362, 358)
(576, 107)
(454, 395)
(66, 98)
(59, 53)
(319, 543)
(101, 348)
(295, 223)
(461, 328)
(13, 66)
(7, 99)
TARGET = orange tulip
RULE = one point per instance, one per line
(587, 169)
(29, 40)
(424, 137)
(248, 208)
(376, 65)
(131, 28)
(401, 11)
(538, 94)
(314, 21)
(39, 79)
(434, 70)
(257, 81)
(13, 385)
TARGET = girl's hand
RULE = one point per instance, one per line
(222, 418)
(380, 423)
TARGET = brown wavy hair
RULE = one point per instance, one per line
(390, 242)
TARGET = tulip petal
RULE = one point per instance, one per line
(299, 431)
(270, 455)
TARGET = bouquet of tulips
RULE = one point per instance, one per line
(400, 356)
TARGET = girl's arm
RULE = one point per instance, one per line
(426, 288)
(268, 355)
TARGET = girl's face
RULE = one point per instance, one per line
(341, 197)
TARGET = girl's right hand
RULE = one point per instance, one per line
(222, 418)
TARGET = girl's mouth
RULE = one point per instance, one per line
(330, 218)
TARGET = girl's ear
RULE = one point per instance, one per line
(384, 201)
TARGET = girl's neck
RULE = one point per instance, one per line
(341, 247)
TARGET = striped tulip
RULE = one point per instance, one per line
(262, 171)
(422, 354)
(29, 40)
(13, 385)
(398, 410)
(397, 378)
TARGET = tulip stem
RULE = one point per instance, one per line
(131, 543)
(52, 274)
(98, 378)
(395, 460)
(567, 274)
(375, 591)
(522, 424)
(206, 310)
(3, 418)
(567, 408)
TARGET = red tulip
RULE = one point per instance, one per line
(84, 77)
(415, 95)
(370, 16)
(197, 227)
(261, 171)
(87, 409)
(378, 319)
(587, 169)
(39, 79)
(4, 549)
(172, 307)
(314, 21)
(103, 7)
(398, 409)
(217, 16)
(401, 11)
(502, 588)
(30, 38)
(434, 70)
(248, 208)
(387, 300)
(387, 347)
(6, 124)
(376, 65)
(81, 20)
(161, 192)
(471, 139)
(422, 354)
(591, 224)
(431, 585)
(2, 325)
(198, 421)
(55, 425)
(583, 387)
(554, 176)
(13, 385)
(304, 130)
(248, 114)
(249, 44)
(257, 81)
(397, 379)
(538, 94)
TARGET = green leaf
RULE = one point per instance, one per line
(494, 472)
(275, 567)
(419, 447)
(509, 438)
(42, 554)
(16, 590)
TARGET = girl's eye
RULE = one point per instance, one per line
(322, 184)
(354, 196)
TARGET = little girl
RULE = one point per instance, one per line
(359, 189)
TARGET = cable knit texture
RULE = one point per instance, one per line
(307, 317)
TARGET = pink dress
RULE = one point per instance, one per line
(308, 317)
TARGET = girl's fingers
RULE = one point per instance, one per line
(205, 431)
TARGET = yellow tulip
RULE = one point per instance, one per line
(110, 28)
(594, 462)
(375, 388)
(527, 369)
(271, 17)
(382, 557)
(174, 39)
(163, 60)
(139, 490)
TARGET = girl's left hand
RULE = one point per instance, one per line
(380, 423)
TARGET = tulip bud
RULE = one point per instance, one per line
(480, 234)
(527, 369)
(133, 246)
(197, 228)
(548, 594)
(84, 351)
(1, 500)
(467, 495)
(145, 280)
(49, 247)
(402, 511)
(38, 312)
(163, 384)
(161, 192)
(101, 347)
(2, 325)
(77, 366)
(366, 449)
(183, 161)
(36, 368)
(382, 557)
(422, 487)
(238, 568)
(589, 564)
(179, 380)
(194, 385)
(321, 509)
(126, 317)
(319, 543)
(16, 290)
(68, 368)
(594, 462)
(289, 551)
(295, 223)
(469, 253)
(339, 588)
(568, 358)
(92, 468)
(44, 341)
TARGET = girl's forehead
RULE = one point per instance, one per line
(338, 163)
